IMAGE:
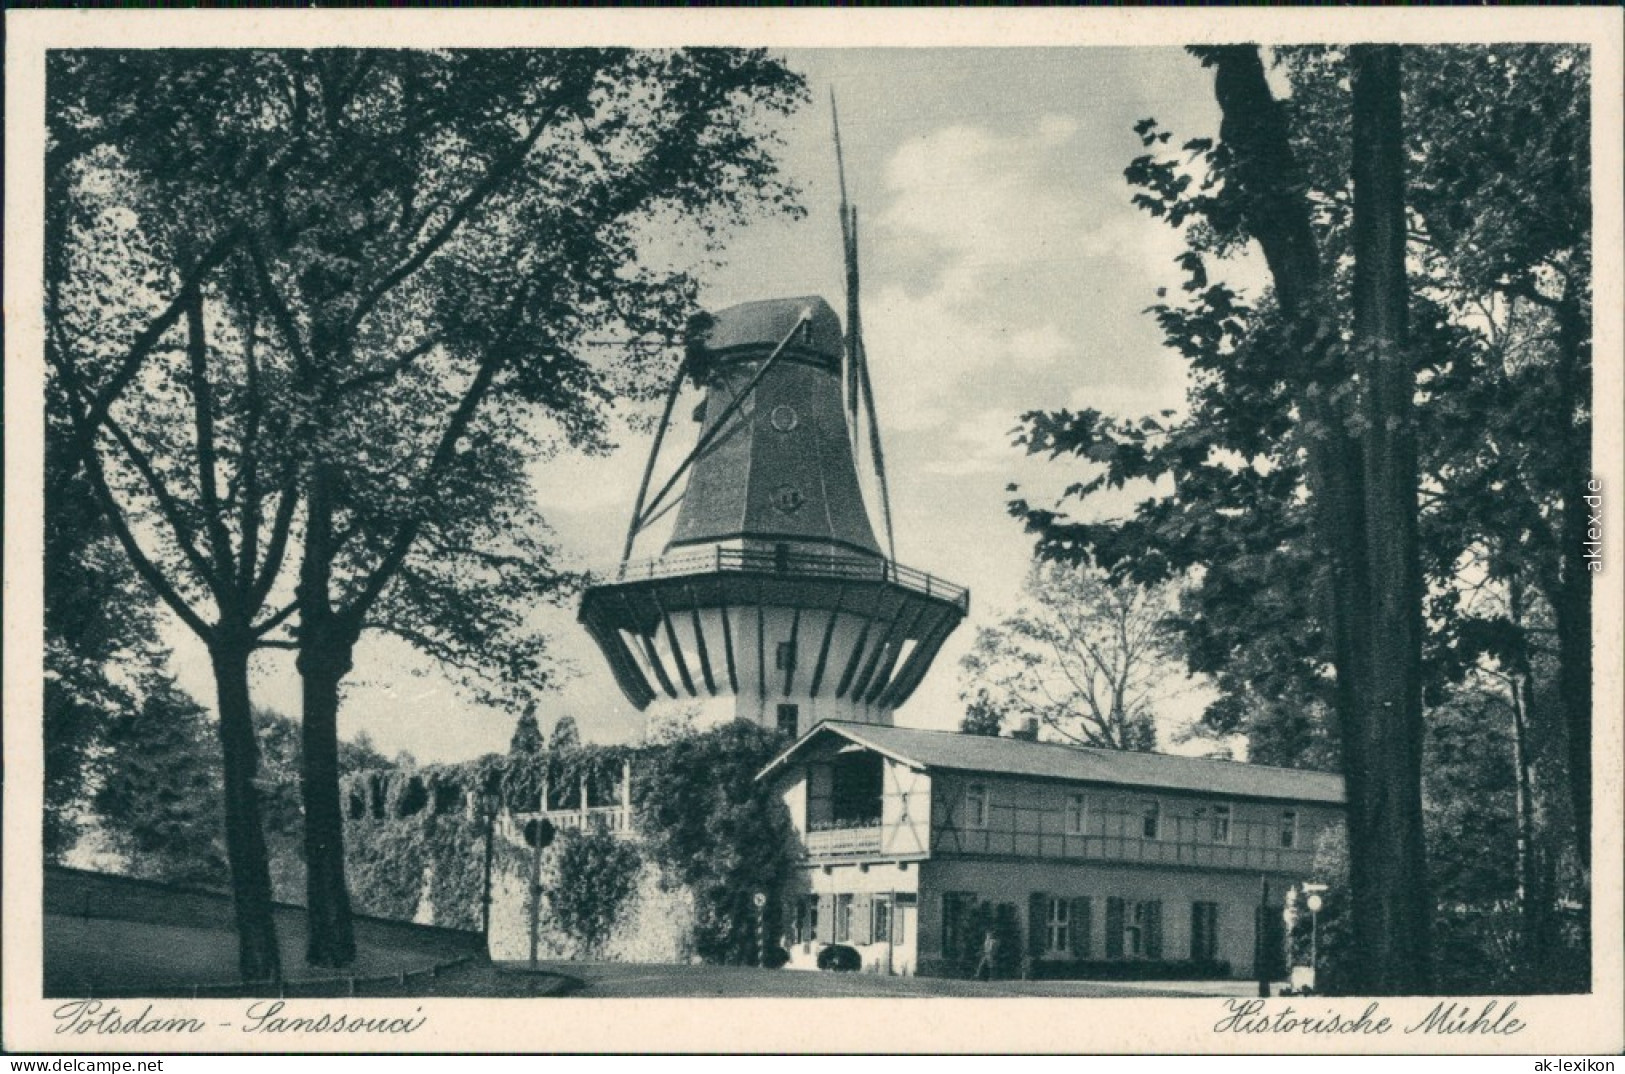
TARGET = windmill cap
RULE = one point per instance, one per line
(764, 324)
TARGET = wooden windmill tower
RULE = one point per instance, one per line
(773, 601)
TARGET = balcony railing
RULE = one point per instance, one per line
(840, 842)
(615, 818)
(1119, 836)
(844, 568)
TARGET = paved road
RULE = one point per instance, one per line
(611, 979)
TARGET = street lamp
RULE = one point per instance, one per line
(1314, 903)
(490, 806)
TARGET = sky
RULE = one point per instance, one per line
(1004, 269)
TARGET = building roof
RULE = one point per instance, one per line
(766, 322)
(780, 470)
(1046, 760)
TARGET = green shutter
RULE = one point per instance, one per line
(952, 935)
(1037, 911)
(1114, 927)
(826, 919)
(1081, 926)
(862, 919)
(1153, 929)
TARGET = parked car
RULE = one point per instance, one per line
(841, 958)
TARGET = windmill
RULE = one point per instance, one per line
(772, 601)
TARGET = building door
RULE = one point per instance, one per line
(903, 933)
(1269, 960)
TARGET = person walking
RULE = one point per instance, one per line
(990, 953)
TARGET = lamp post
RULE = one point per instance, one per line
(1314, 903)
(1261, 938)
(490, 806)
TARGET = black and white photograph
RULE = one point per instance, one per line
(566, 509)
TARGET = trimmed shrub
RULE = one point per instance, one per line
(1129, 970)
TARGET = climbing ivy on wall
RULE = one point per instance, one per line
(700, 816)
(597, 874)
(714, 828)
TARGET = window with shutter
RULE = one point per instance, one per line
(1114, 927)
(843, 919)
(824, 922)
(1037, 908)
(1058, 927)
(1082, 926)
(862, 919)
(953, 931)
(882, 916)
(1204, 931)
(1153, 929)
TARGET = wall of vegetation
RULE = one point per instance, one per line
(708, 838)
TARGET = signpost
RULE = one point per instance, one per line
(760, 901)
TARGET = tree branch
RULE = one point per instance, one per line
(197, 354)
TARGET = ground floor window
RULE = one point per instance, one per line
(956, 912)
(806, 923)
(1204, 931)
(900, 919)
(1133, 928)
(843, 919)
(1058, 931)
(880, 930)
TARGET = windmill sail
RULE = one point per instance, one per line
(857, 363)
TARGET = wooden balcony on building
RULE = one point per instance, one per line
(843, 842)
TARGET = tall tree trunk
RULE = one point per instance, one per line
(325, 648)
(1533, 897)
(331, 936)
(1393, 935)
(1365, 524)
(258, 957)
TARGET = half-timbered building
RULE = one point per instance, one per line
(916, 844)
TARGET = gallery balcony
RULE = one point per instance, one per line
(844, 840)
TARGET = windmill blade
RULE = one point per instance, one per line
(857, 362)
(875, 451)
(849, 254)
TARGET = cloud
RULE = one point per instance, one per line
(993, 264)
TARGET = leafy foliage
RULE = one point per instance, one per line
(1280, 407)
(99, 647)
(983, 716)
(394, 275)
(1084, 656)
(565, 735)
(159, 797)
(527, 735)
(701, 818)
(597, 875)
(713, 827)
